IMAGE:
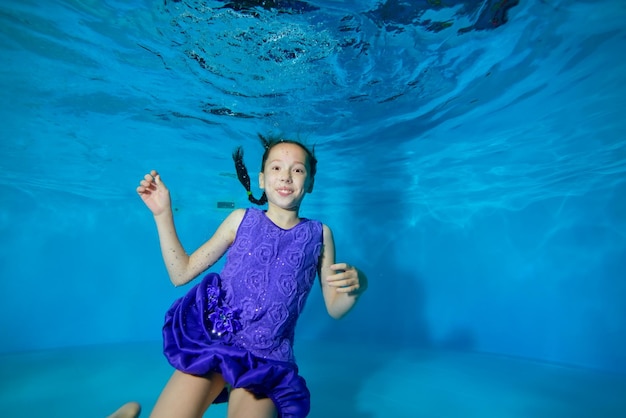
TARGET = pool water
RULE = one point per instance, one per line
(472, 161)
(346, 380)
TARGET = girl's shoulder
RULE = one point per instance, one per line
(233, 220)
(239, 212)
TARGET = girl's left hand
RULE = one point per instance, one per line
(346, 278)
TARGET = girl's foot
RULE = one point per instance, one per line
(128, 410)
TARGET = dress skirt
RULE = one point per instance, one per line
(198, 337)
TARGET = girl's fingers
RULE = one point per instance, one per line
(349, 289)
(340, 266)
(340, 280)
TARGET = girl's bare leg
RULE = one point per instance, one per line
(128, 410)
(243, 404)
(187, 396)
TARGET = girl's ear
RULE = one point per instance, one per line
(310, 188)
(261, 181)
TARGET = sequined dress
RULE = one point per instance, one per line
(241, 322)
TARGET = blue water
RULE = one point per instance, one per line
(472, 162)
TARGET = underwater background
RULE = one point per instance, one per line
(472, 161)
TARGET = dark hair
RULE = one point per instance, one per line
(268, 144)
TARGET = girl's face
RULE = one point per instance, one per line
(285, 177)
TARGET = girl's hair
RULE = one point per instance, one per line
(268, 144)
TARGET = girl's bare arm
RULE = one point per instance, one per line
(341, 283)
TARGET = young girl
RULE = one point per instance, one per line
(231, 337)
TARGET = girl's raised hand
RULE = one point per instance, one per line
(154, 193)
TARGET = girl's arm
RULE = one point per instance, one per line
(183, 268)
(341, 283)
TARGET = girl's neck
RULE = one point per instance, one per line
(286, 219)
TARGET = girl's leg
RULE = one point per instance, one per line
(243, 404)
(187, 396)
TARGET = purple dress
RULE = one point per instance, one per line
(241, 323)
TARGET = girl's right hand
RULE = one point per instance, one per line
(154, 193)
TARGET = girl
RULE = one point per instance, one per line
(231, 337)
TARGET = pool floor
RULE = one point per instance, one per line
(345, 381)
